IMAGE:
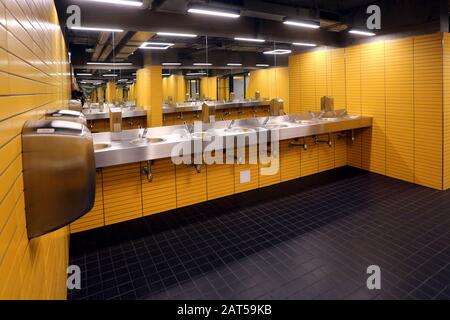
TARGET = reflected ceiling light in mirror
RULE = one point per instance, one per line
(122, 80)
(175, 34)
(304, 44)
(249, 40)
(119, 2)
(234, 64)
(202, 64)
(110, 63)
(156, 45)
(278, 51)
(196, 73)
(214, 12)
(362, 33)
(301, 23)
(174, 64)
(96, 29)
(262, 65)
(84, 74)
(166, 74)
(110, 75)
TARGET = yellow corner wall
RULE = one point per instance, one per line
(110, 92)
(271, 83)
(397, 82)
(33, 77)
(174, 86)
(208, 88)
(446, 96)
(149, 94)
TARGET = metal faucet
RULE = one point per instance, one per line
(144, 133)
(189, 129)
(231, 124)
(266, 121)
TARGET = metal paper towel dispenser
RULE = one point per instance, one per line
(58, 173)
(68, 115)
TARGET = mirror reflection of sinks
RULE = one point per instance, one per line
(101, 146)
(140, 141)
(239, 130)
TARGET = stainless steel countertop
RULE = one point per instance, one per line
(219, 105)
(96, 114)
(121, 150)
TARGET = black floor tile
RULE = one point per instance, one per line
(311, 238)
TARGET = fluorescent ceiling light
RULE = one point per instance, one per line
(110, 63)
(110, 75)
(166, 74)
(122, 80)
(362, 33)
(278, 51)
(171, 64)
(203, 64)
(196, 74)
(84, 74)
(214, 12)
(250, 40)
(119, 2)
(234, 64)
(174, 34)
(302, 24)
(303, 44)
(96, 29)
(156, 45)
(262, 65)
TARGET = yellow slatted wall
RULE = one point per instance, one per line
(398, 82)
(446, 111)
(373, 101)
(95, 218)
(400, 109)
(33, 78)
(160, 193)
(121, 184)
(294, 84)
(191, 186)
(428, 108)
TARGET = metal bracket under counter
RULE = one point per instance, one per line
(125, 150)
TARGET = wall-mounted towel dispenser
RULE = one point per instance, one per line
(68, 115)
(58, 172)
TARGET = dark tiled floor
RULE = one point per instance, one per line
(307, 239)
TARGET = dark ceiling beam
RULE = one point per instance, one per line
(145, 20)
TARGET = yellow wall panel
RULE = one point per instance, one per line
(446, 75)
(373, 100)
(294, 84)
(308, 82)
(94, 218)
(428, 110)
(326, 154)
(191, 186)
(289, 161)
(121, 184)
(220, 180)
(160, 194)
(400, 109)
(310, 159)
(33, 68)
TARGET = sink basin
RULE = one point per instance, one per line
(101, 146)
(329, 119)
(306, 121)
(201, 135)
(147, 140)
(275, 126)
(239, 130)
